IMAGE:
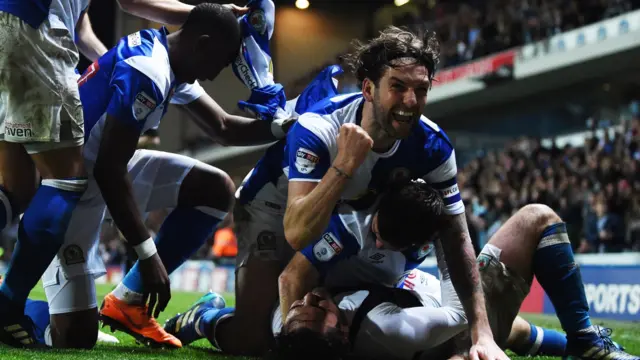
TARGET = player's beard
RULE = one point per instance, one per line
(385, 121)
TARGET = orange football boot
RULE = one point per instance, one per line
(133, 320)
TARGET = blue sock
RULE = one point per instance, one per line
(8, 210)
(38, 311)
(40, 236)
(543, 342)
(559, 275)
(182, 233)
(207, 323)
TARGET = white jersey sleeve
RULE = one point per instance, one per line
(308, 151)
(389, 329)
(187, 93)
(439, 150)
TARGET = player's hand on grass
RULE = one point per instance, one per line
(486, 348)
(354, 145)
(156, 284)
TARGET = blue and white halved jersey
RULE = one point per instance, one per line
(346, 253)
(35, 12)
(311, 146)
(132, 82)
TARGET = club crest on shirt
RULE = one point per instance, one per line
(143, 105)
(306, 160)
(258, 21)
(73, 254)
(483, 261)
(424, 251)
(328, 247)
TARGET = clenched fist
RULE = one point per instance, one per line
(353, 146)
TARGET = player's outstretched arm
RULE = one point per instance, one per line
(232, 130)
(170, 12)
(297, 279)
(86, 40)
(119, 142)
(461, 260)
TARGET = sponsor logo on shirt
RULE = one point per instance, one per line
(306, 160)
(327, 248)
(244, 71)
(143, 105)
(18, 130)
(134, 39)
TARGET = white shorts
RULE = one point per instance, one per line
(504, 292)
(39, 98)
(156, 178)
(260, 232)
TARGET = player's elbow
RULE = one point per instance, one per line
(295, 233)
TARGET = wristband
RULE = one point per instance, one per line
(145, 249)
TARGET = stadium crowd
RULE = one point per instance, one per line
(472, 29)
(595, 188)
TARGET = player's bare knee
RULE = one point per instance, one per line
(538, 217)
(206, 185)
(520, 332)
(77, 330)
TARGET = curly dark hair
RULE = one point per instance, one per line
(307, 344)
(409, 213)
(370, 60)
(217, 21)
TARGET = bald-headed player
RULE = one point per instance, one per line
(126, 92)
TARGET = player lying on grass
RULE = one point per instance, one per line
(124, 93)
(267, 100)
(346, 149)
(533, 241)
(202, 192)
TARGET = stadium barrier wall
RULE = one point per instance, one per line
(612, 283)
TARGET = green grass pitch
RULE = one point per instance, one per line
(625, 333)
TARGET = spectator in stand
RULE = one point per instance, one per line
(595, 188)
(471, 29)
(225, 244)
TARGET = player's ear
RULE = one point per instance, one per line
(368, 89)
(203, 42)
(374, 223)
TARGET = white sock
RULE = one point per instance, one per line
(123, 293)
